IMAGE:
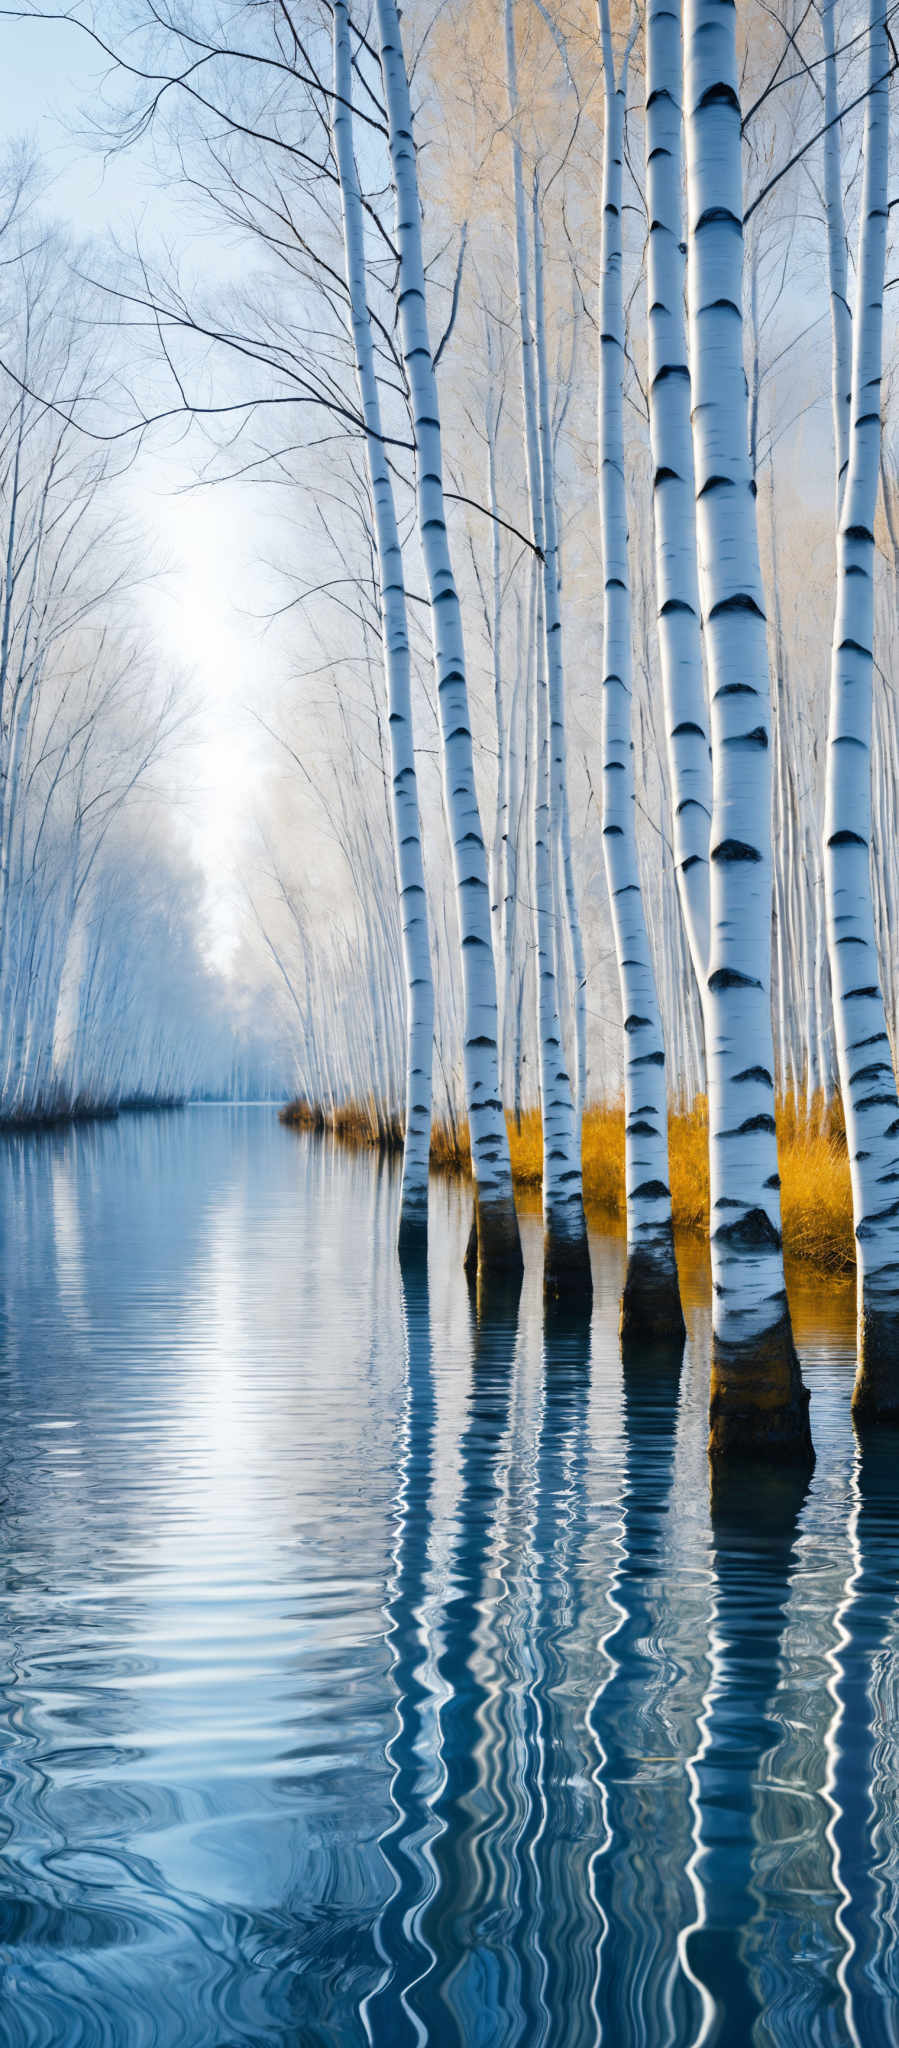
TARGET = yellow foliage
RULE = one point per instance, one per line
(816, 1201)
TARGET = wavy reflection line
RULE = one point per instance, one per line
(853, 1742)
(386, 2013)
(832, 1753)
(632, 1993)
(755, 1520)
(562, 1833)
(462, 1921)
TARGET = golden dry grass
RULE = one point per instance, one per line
(816, 1201)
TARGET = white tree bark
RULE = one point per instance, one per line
(566, 1268)
(496, 1236)
(566, 1253)
(650, 1307)
(758, 1403)
(560, 810)
(677, 581)
(413, 1221)
(837, 266)
(540, 463)
(867, 1079)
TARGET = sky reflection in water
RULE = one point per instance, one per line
(370, 1676)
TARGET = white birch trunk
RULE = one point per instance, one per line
(496, 1236)
(758, 1403)
(566, 1254)
(837, 265)
(559, 805)
(867, 1079)
(677, 582)
(650, 1307)
(566, 1261)
(413, 1221)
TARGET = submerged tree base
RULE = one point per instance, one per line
(412, 1234)
(567, 1272)
(651, 1312)
(759, 1406)
(493, 1255)
(875, 1396)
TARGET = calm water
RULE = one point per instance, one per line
(369, 1677)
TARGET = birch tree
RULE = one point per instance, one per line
(395, 636)
(867, 1079)
(758, 1403)
(495, 1246)
(650, 1307)
(677, 584)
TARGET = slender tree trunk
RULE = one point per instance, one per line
(413, 1222)
(677, 582)
(496, 1244)
(867, 1079)
(566, 1258)
(650, 1307)
(559, 804)
(837, 265)
(758, 1403)
(566, 1270)
(566, 1254)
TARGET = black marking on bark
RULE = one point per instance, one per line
(756, 739)
(635, 1022)
(876, 1038)
(755, 1074)
(649, 1059)
(729, 977)
(857, 995)
(871, 1073)
(870, 1226)
(878, 1101)
(734, 849)
(853, 647)
(693, 860)
(773, 1180)
(715, 483)
(640, 1129)
(650, 1191)
(676, 604)
(762, 1122)
(736, 690)
(742, 601)
(664, 476)
(687, 725)
(858, 533)
(752, 1232)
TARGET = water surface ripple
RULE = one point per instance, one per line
(372, 1671)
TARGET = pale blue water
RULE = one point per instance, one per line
(369, 1677)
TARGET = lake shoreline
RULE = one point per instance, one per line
(815, 1189)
